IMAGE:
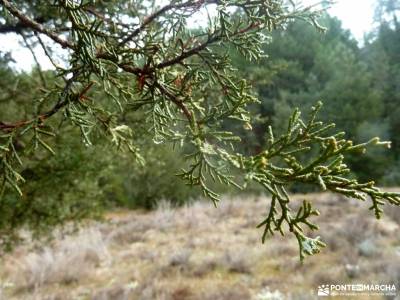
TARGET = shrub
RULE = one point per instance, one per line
(180, 258)
(368, 248)
(137, 186)
(237, 261)
(71, 260)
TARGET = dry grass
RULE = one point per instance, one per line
(70, 260)
(237, 261)
(393, 212)
(198, 252)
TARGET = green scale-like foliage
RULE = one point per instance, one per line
(182, 86)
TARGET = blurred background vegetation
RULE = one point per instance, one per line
(359, 85)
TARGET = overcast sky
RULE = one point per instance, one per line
(356, 15)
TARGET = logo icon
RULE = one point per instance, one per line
(323, 290)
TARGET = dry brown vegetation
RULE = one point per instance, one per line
(199, 252)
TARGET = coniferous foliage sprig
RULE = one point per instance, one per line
(281, 165)
(135, 56)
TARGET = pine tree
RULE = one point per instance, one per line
(141, 56)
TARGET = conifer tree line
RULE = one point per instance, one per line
(138, 99)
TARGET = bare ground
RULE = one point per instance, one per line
(199, 252)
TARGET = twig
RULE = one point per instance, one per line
(175, 100)
(35, 25)
(42, 79)
(157, 14)
(63, 101)
(46, 51)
